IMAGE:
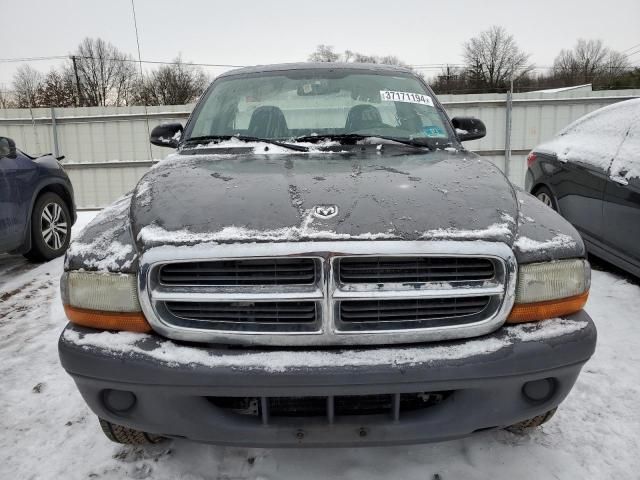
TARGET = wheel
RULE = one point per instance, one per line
(545, 196)
(525, 426)
(50, 228)
(121, 434)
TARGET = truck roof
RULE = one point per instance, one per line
(373, 67)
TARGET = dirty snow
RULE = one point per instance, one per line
(560, 240)
(47, 431)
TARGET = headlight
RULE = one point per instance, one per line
(550, 289)
(106, 301)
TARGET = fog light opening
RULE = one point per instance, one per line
(118, 401)
(539, 391)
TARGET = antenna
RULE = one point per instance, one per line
(146, 113)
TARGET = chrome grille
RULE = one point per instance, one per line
(410, 313)
(413, 269)
(328, 293)
(241, 316)
(266, 271)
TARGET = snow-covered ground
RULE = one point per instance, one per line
(47, 432)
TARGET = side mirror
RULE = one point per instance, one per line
(7, 147)
(468, 128)
(166, 135)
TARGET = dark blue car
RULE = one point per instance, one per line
(37, 208)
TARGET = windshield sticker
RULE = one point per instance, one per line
(408, 97)
(433, 131)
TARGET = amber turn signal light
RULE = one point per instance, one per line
(531, 312)
(128, 321)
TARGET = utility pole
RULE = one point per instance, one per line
(79, 92)
(507, 136)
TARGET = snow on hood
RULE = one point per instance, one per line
(560, 240)
(249, 197)
(609, 134)
(104, 244)
(120, 344)
(264, 148)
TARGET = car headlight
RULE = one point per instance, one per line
(550, 289)
(107, 301)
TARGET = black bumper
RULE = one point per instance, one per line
(483, 378)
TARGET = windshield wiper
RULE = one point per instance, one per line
(246, 138)
(354, 137)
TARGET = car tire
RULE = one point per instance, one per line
(121, 434)
(527, 425)
(50, 228)
(545, 196)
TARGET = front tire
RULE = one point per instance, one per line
(50, 228)
(129, 436)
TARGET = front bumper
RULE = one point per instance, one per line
(173, 384)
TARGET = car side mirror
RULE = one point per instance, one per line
(166, 135)
(468, 128)
(7, 147)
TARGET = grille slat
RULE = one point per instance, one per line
(277, 271)
(414, 269)
(247, 312)
(415, 310)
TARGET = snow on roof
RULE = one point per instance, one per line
(605, 137)
(586, 87)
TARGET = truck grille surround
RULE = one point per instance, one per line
(328, 293)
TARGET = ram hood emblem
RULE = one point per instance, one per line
(325, 211)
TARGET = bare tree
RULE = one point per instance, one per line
(57, 89)
(26, 84)
(493, 58)
(6, 100)
(106, 75)
(174, 84)
(587, 61)
(324, 53)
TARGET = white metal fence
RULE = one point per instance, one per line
(107, 150)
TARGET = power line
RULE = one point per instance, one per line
(32, 59)
(631, 48)
(86, 57)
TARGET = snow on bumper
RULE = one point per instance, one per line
(174, 384)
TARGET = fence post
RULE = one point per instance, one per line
(507, 136)
(54, 128)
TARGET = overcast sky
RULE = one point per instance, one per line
(244, 33)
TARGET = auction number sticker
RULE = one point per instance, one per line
(391, 96)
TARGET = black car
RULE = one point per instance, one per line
(322, 263)
(37, 207)
(590, 174)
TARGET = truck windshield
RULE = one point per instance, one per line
(307, 103)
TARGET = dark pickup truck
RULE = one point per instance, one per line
(321, 263)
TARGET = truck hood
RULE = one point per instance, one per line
(186, 200)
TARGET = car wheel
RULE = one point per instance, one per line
(545, 196)
(530, 424)
(50, 228)
(121, 434)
